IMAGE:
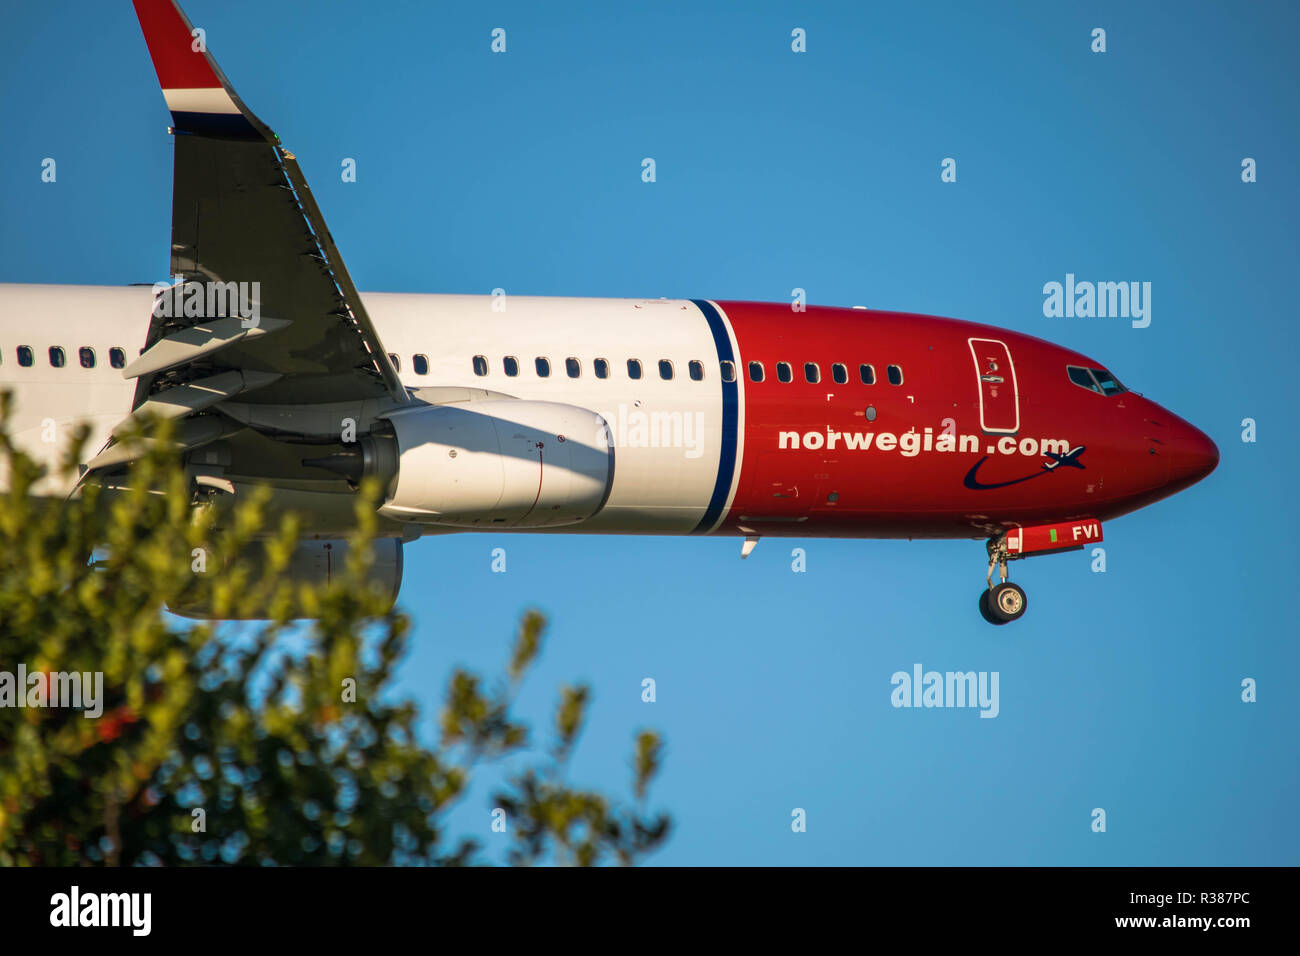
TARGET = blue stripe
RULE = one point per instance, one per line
(223, 125)
(730, 418)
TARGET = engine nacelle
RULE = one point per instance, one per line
(499, 464)
(314, 562)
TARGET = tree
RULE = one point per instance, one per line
(216, 742)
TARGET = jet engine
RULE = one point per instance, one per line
(498, 463)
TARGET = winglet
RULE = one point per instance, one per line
(197, 92)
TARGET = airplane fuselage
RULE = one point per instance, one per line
(724, 417)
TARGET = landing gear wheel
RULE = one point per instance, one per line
(984, 608)
(1007, 602)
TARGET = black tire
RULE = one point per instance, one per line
(984, 608)
(1007, 602)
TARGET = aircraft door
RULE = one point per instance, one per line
(995, 376)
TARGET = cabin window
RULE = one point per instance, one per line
(572, 367)
(840, 373)
(57, 358)
(86, 356)
(697, 370)
(812, 373)
(728, 371)
(116, 357)
(665, 369)
(895, 374)
(397, 363)
(420, 363)
(543, 367)
(510, 365)
(783, 372)
(25, 357)
(756, 371)
(600, 367)
(868, 374)
(480, 365)
(633, 368)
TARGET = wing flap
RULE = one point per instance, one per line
(193, 343)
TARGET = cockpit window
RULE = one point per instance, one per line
(1095, 380)
(1083, 378)
(1109, 383)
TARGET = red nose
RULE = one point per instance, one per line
(1192, 455)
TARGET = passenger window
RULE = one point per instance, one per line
(812, 373)
(783, 372)
(573, 367)
(665, 370)
(25, 357)
(600, 367)
(1082, 377)
(116, 357)
(87, 356)
(397, 363)
(895, 374)
(840, 373)
(57, 358)
(510, 365)
(697, 370)
(480, 365)
(756, 371)
(868, 374)
(728, 371)
(634, 368)
(543, 367)
(421, 364)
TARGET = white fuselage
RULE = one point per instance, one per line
(666, 432)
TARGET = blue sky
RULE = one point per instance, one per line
(819, 170)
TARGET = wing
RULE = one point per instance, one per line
(246, 229)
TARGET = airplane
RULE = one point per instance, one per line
(1070, 459)
(558, 415)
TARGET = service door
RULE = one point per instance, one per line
(995, 375)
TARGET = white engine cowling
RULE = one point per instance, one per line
(500, 464)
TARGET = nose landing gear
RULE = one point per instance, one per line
(1005, 602)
